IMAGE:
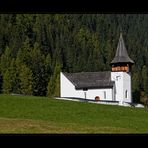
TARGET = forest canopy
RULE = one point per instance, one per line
(34, 48)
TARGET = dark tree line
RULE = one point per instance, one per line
(34, 48)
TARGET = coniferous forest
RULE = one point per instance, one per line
(34, 48)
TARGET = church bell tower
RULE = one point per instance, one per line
(121, 73)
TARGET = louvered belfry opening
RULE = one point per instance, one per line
(121, 67)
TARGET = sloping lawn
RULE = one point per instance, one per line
(27, 114)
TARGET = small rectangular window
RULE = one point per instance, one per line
(126, 94)
(104, 94)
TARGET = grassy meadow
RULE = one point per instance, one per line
(28, 114)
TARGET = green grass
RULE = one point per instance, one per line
(24, 114)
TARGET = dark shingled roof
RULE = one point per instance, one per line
(121, 53)
(90, 80)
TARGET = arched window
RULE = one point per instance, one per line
(97, 98)
(126, 94)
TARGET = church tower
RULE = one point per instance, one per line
(121, 73)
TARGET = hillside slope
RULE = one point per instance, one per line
(24, 114)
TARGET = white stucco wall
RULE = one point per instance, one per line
(127, 86)
(118, 78)
(92, 93)
(67, 89)
(122, 83)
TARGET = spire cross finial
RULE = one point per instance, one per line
(120, 34)
(121, 31)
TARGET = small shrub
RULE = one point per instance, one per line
(144, 100)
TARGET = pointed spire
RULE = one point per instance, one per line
(121, 53)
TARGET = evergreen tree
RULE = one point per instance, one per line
(48, 72)
(14, 76)
(7, 86)
(57, 86)
(54, 82)
(26, 80)
(145, 80)
(10, 79)
(38, 69)
(5, 60)
(136, 87)
(50, 87)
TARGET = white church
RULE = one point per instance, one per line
(112, 86)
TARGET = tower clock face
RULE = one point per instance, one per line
(117, 77)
